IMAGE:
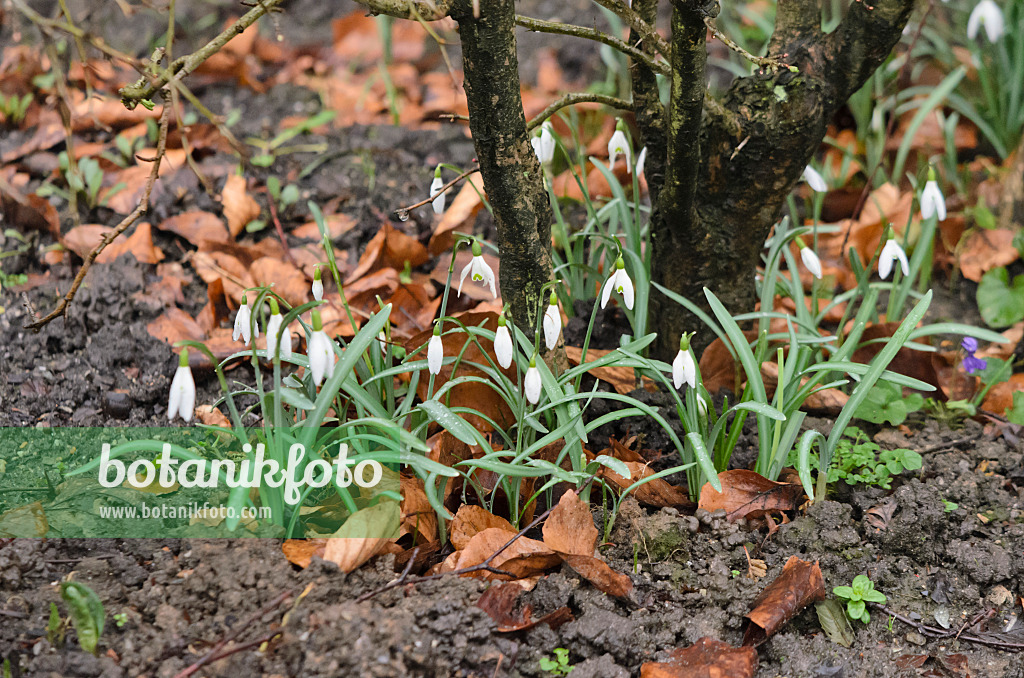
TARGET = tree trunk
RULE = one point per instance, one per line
(511, 172)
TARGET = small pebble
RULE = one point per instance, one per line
(117, 405)
(916, 638)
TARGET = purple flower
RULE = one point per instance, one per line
(972, 364)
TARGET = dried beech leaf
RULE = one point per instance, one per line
(363, 535)
(570, 527)
(239, 207)
(471, 519)
(600, 574)
(25, 521)
(707, 658)
(799, 585)
(524, 558)
(418, 516)
(499, 602)
(301, 551)
(745, 493)
(196, 227)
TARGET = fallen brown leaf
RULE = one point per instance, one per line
(748, 494)
(707, 658)
(301, 551)
(799, 585)
(471, 519)
(364, 534)
(570, 527)
(524, 558)
(196, 227)
(239, 207)
(499, 602)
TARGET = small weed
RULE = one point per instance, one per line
(14, 108)
(859, 461)
(559, 666)
(857, 596)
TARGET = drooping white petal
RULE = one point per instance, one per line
(321, 356)
(535, 142)
(620, 282)
(435, 190)
(641, 160)
(932, 201)
(243, 324)
(552, 326)
(274, 327)
(618, 144)
(182, 398)
(435, 354)
(532, 385)
(503, 346)
(811, 261)
(892, 252)
(815, 180)
(482, 273)
(702, 405)
(544, 144)
(318, 290)
(684, 370)
(986, 13)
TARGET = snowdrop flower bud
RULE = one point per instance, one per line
(243, 323)
(435, 351)
(702, 405)
(810, 259)
(182, 398)
(544, 145)
(318, 284)
(532, 383)
(320, 352)
(619, 144)
(892, 252)
(932, 201)
(435, 190)
(482, 273)
(620, 282)
(986, 13)
(641, 159)
(552, 322)
(503, 350)
(815, 180)
(274, 327)
(683, 368)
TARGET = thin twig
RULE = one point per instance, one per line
(936, 632)
(542, 26)
(577, 98)
(766, 62)
(97, 42)
(137, 213)
(403, 212)
(634, 21)
(951, 443)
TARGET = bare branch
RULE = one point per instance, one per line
(633, 20)
(427, 10)
(542, 26)
(765, 62)
(577, 98)
(97, 42)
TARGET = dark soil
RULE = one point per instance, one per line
(102, 368)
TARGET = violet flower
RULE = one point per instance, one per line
(972, 364)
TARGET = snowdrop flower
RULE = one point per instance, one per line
(932, 201)
(986, 13)
(972, 363)
(702, 405)
(684, 370)
(243, 323)
(544, 145)
(482, 273)
(182, 398)
(318, 284)
(503, 350)
(619, 144)
(320, 352)
(435, 190)
(552, 322)
(274, 327)
(815, 180)
(532, 383)
(620, 282)
(382, 341)
(435, 351)
(810, 259)
(892, 252)
(641, 159)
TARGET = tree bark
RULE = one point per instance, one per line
(748, 164)
(511, 172)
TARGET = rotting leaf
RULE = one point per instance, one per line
(418, 516)
(879, 515)
(707, 658)
(499, 602)
(834, 622)
(471, 519)
(749, 494)
(799, 585)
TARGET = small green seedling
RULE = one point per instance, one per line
(559, 666)
(55, 628)
(857, 596)
(86, 613)
(886, 403)
(121, 618)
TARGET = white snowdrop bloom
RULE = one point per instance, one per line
(810, 259)
(481, 272)
(815, 180)
(932, 201)
(382, 341)
(503, 349)
(532, 383)
(320, 352)
(437, 195)
(243, 323)
(620, 282)
(435, 351)
(986, 13)
(275, 327)
(702, 405)
(318, 285)
(544, 144)
(641, 160)
(552, 322)
(684, 370)
(619, 144)
(182, 399)
(890, 253)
